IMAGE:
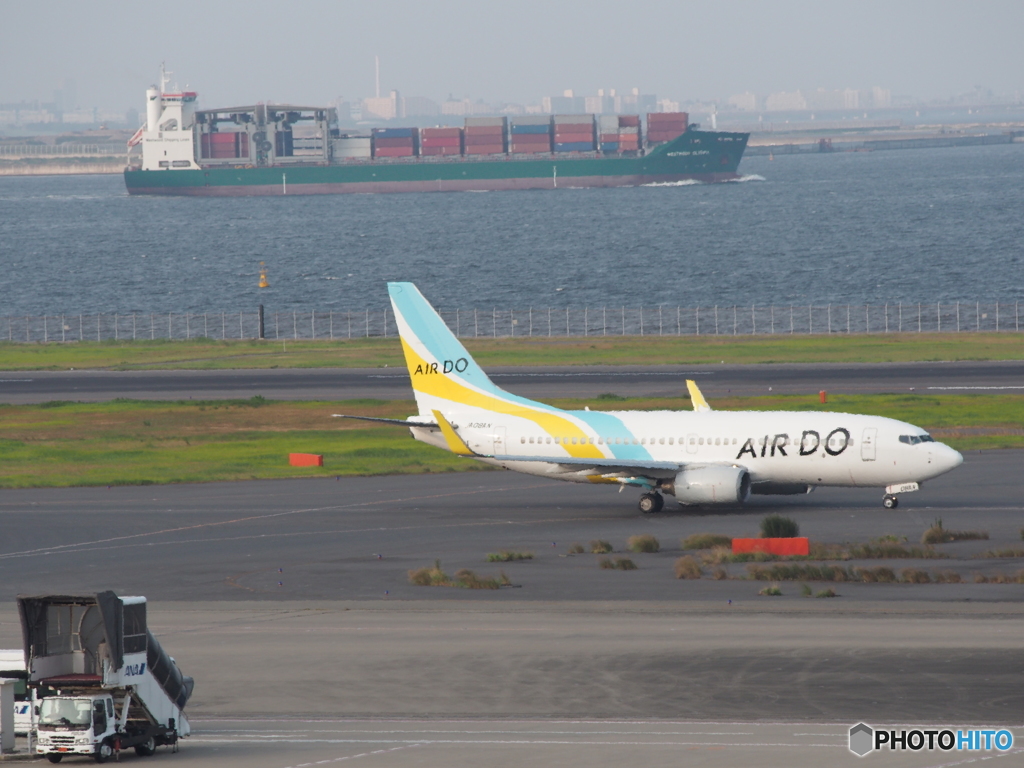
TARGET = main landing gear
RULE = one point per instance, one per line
(651, 502)
(890, 502)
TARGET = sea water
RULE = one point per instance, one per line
(867, 227)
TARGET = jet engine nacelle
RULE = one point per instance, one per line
(712, 485)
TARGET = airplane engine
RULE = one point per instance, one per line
(712, 485)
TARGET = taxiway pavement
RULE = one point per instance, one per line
(535, 382)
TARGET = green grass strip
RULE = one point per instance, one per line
(593, 350)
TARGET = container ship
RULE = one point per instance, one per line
(277, 149)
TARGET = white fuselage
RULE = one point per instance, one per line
(811, 448)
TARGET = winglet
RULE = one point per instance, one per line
(699, 403)
(455, 443)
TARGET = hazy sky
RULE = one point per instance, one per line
(312, 51)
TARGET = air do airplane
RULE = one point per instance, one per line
(699, 457)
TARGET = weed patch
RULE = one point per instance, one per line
(576, 549)
(706, 541)
(939, 535)
(827, 593)
(771, 591)
(600, 547)
(779, 527)
(1002, 553)
(508, 556)
(687, 568)
(642, 543)
(434, 576)
(618, 564)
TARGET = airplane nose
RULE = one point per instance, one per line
(950, 458)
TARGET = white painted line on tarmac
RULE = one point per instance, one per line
(539, 742)
(352, 757)
(965, 387)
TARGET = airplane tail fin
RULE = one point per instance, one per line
(443, 373)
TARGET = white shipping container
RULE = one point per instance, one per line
(531, 120)
(574, 119)
(485, 122)
(352, 146)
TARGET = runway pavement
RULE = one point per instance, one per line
(534, 382)
(289, 603)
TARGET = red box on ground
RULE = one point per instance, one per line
(306, 459)
(798, 545)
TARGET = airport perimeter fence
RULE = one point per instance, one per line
(530, 322)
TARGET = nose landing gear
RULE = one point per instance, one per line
(651, 502)
(889, 501)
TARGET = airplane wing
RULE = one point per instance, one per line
(399, 422)
(604, 466)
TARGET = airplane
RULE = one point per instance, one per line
(699, 457)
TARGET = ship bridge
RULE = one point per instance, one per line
(264, 135)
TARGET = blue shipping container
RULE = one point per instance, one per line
(530, 129)
(393, 133)
(609, 146)
(575, 146)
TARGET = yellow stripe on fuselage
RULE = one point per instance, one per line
(440, 385)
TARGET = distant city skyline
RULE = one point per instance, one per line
(234, 52)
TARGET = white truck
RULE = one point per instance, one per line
(12, 666)
(102, 681)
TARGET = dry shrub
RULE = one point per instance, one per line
(827, 593)
(687, 568)
(947, 577)
(576, 549)
(468, 580)
(716, 556)
(939, 535)
(1003, 553)
(508, 556)
(915, 576)
(779, 527)
(719, 573)
(642, 543)
(431, 576)
(879, 575)
(771, 591)
(706, 541)
(607, 564)
(600, 547)
(625, 564)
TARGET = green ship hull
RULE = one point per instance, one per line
(707, 156)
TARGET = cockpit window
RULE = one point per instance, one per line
(915, 439)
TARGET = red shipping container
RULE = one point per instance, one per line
(425, 151)
(392, 152)
(632, 121)
(393, 143)
(485, 130)
(440, 141)
(222, 138)
(437, 133)
(306, 459)
(798, 545)
(494, 149)
(669, 116)
(489, 141)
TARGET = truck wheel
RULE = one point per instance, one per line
(103, 751)
(54, 758)
(146, 748)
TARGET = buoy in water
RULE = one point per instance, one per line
(263, 276)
